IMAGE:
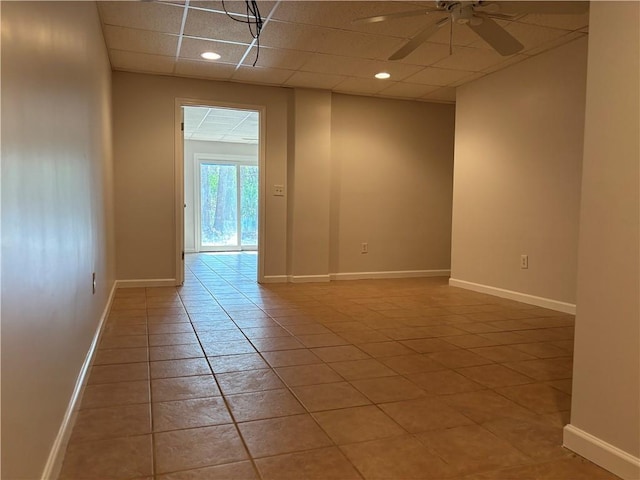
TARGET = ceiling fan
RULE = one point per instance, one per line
(478, 16)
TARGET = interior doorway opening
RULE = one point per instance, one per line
(221, 147)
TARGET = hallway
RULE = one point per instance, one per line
(381, 379)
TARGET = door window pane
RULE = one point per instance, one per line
(249, 204)
(218, 205)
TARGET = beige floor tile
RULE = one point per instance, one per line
(237, 363)
(308, 329)
(321, 340)
(123, 341)
(459, 358)
(179, 368)
(272, 344)
(424, 414)
(428, 345)
(364, 336)
(198, 412)
(114, 329)
(157, 340)
(114, 458)
(493, 376)
(385, 349)
(121, 355)
(388, 389)
(329, 396)
(565, 385)
(167, 389)
(339, 353)
(234, 347)
(175, 352)
(287, 358)
(501, 354)
(197, 447)
(246, 407)
(308, 375)
(360, 369)
(485, 405)
(163, 328)
(266, 332)
(118, 373)
(248, 381)
(471, 448)
(277, 436)
(547, 369)
(394, 458)
(322, 464)
(230, 471)
(114, 394)
(415, 363)
(443, 382)
(357, 424)
(110, 422)
(541, 350)
(538, 398)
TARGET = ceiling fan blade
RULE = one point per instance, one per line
(418, 40)
(551, 8)
(496, 36)
(393, 16)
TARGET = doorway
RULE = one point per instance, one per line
(221, 150)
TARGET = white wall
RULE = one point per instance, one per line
(518, 157)
(57, 218)
(191, 149)
(605, 410)
(355, 170)
(392, 184)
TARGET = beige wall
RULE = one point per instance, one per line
(606, 380)
(56, 216)
(191, 149)
(144, 129)
(518, 156)
(355, 170)
(392, 180)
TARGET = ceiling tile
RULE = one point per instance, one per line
(532, 36)
(154, 16)
(291, 36)
(273, 76)
(512, 60)
(354, 44)
(356, 67)
(471, 59)
(217, 71)
(361, 85)
(276, 58)
(438, 76)
(140, 62)
(314, 80)
(427, 54)
(407, 90)
(142, 41)
(565, 22)
(215, 26)
(569, 37)
(233, 6)
(230, 52)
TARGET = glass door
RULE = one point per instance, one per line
(228, 206)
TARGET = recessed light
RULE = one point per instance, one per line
(210, 56)
(383, 75)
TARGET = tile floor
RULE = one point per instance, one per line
(384, 379)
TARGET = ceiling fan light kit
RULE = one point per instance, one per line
(478, 16)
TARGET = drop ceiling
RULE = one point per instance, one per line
(314, 44)
(221, 125)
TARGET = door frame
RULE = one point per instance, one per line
(218, 159)
(179, 199)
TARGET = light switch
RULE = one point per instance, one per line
(278, 190)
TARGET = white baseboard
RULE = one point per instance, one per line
(274, 279)
(151, 282)
(389, 274)
(308, 278)
(601, 453)
(56, 455)
(517, 296)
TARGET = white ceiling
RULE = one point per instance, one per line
(314, 44)
(221, 125)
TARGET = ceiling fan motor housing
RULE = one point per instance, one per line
(461, 12)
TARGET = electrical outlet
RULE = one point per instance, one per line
(524, 261)
(364, 248)
(94, 282)
(278, 190)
